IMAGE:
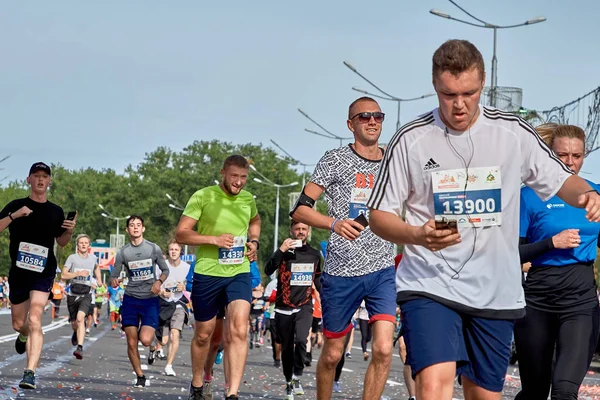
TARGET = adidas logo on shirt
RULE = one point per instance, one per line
(431, 164)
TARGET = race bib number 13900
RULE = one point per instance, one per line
(472, 200)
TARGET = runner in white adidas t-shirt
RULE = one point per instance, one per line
(359, 265)
(460, 291)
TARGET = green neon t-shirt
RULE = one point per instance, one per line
(217, 213)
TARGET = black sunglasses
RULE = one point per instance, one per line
(365, 117)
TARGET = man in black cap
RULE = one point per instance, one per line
(33, 223)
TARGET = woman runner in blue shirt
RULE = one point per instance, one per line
(560, 289)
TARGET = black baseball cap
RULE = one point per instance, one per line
(40, 166)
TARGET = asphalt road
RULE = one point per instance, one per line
(105, 372)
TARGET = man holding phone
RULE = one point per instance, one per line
(298, 266)
(359, 265)
(460, 291)
(34, 223)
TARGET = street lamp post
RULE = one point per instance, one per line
(327, 134)
(386, 96)
(176, 206)
(266, 181)
(108, 215)
(484, 24)
(296, 161)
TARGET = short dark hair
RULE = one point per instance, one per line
(131, 218)
(237, 161)
(359, 100)
(457, 56)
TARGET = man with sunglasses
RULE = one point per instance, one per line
(359, 265)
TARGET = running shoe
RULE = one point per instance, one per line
(151, 356)
(232, 397)
(28, 381)
(78, 353)
(297, 387)
(219, 358)
(365, 355)
(277, 363)
(74, 339)
(20, 346)
(289, 391)
(348, 354)
(336, 387)
(196, 394)
(169, 370)
(141, 382)
(308, 359)
(160, 355)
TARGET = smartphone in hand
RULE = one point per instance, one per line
(71, 215)
(361, 219)
(445, 223)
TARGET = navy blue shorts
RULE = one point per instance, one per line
(20, 288)
(434, 333)
(212, 294)
(341, 297)
(134, 311)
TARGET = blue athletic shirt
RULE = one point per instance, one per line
(541, 220)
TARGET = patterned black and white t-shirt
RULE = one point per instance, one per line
(348, 180)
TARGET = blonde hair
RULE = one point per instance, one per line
(550, 131)
(81, 236)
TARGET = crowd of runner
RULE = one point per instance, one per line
(448, 188)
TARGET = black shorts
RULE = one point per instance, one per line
(78, 303)
(20, 288)
(91, 309)
(273, 330)
(317, 326)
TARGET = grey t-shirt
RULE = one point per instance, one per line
(81, 285)
(140, 263)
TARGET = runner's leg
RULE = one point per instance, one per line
(237, 316)
(331, 356)
(380, 364)
(36, 337)
(132, 349)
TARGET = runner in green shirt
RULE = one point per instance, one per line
(100, 294)
(227, 234)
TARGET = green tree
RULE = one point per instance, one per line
(142, 188)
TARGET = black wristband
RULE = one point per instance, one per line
(592, 190)
(257, 243)
(10, 216)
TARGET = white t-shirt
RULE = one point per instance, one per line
(177, 274)
(348, 180)
(427, 161)
(271, 286)
(362, 311)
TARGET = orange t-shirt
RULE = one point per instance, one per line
(57, 291)
(317, 312)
